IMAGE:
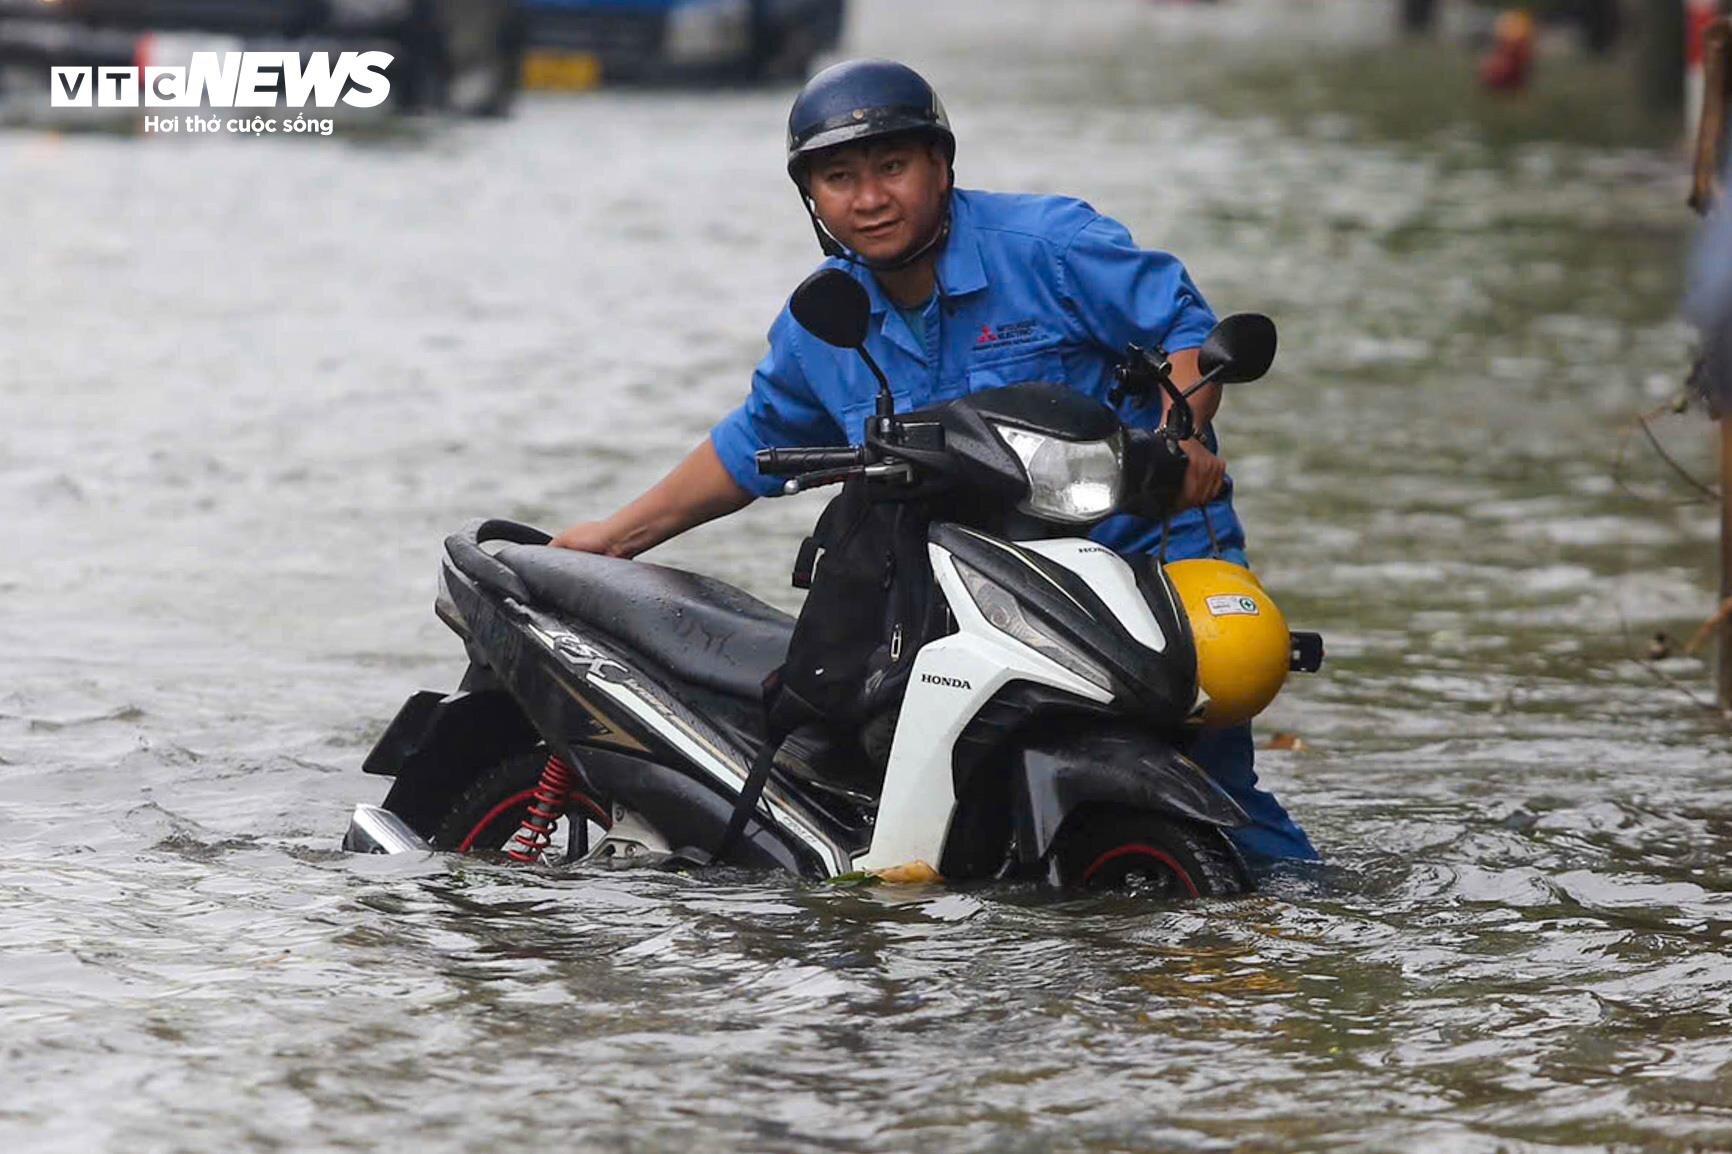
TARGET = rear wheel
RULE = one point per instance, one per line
(487, 815)
(1146, 853)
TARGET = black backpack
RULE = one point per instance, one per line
(869, 608)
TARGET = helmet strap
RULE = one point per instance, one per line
(835, 248)
(829, 244)
(1209, 528)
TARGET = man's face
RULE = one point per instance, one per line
(880, 199)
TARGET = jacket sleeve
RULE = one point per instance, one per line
(781, 411)
(1120, 293)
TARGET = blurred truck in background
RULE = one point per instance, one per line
(464, 56)
(580, 43)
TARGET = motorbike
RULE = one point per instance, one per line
(613, 711)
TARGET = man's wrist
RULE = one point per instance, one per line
(629, 540)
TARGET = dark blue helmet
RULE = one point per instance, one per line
(859, 100)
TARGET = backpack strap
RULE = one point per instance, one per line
(747, 803)
(785, 711)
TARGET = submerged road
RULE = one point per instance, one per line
(247, 386)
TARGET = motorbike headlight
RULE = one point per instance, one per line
(1000, 608)
(1071, 481)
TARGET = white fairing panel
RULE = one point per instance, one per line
(1111, 578)
(953, 678)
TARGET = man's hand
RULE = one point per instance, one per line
(1207, 472)
(587, 537)
(1203, 477)
(698, 489)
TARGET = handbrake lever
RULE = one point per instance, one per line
(898, 472)
(1141, 373)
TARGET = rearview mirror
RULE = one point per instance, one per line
(1241, 348)
(832, 306)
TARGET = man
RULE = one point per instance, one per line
(1709, 303)
(969, 291)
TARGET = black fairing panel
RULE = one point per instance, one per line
(1169, 613)
(1120, 767)
(982, 825)
(687, 812)
(1158, 688)
(1048, 408)
(599, 739)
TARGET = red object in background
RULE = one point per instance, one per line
(1509, 64)
(1698, 14)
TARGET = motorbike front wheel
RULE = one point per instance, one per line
(487, 815)
(1152, 854)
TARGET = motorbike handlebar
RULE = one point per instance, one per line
(793, 462)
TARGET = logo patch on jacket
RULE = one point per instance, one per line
(1007, 335)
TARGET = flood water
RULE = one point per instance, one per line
(247, 386)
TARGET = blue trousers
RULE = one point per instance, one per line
(1272, 836)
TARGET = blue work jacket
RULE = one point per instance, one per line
(1030, 288)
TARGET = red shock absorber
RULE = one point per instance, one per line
(551, 799)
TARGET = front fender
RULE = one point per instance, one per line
(1124, 768)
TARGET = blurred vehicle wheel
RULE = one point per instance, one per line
(788, 36)
(1418, 15)
(790, 60)
(1602, 21)
(460, 56)
(481, 42)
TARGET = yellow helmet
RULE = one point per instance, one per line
(1243, 650)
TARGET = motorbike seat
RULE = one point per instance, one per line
(702, 630)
